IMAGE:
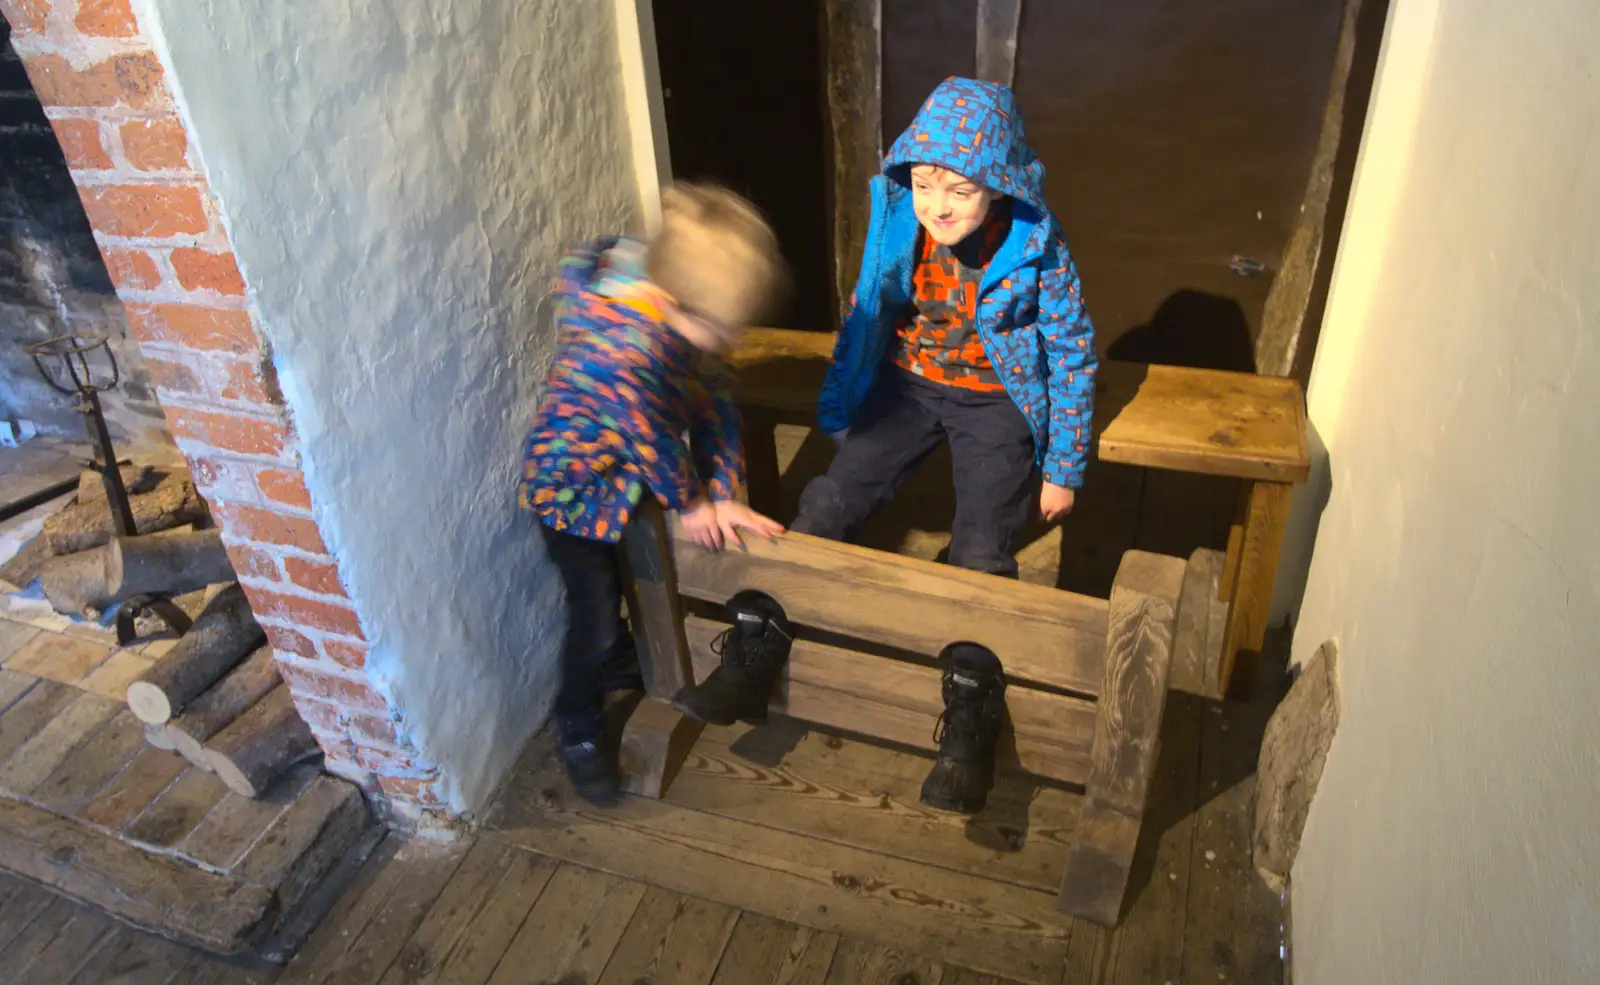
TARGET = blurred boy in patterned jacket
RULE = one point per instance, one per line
(967, 325)
(636, 369)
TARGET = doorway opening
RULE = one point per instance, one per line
(743, 89)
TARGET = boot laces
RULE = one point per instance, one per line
(970, 717)
(730, 646)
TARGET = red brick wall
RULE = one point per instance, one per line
(159, 228)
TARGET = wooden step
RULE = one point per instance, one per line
(88, 810)
(848, 854)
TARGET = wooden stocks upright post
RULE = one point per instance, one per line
(657, 736)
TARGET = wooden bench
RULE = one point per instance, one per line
(1248, 427)
(1087, 677)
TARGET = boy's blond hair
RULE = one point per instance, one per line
(715, 255)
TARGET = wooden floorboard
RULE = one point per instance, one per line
(572, 930)
(766, 951)
(975, 922)
(866, 796)
(87, 771)
(671, 939)
(131, 958)
(462, 904)
(1148, 944)
(126, 796)
(85, 931)
(356, 945)
(24, 902)
(1232, 923)
(859, 963)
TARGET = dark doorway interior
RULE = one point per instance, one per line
(744, 104)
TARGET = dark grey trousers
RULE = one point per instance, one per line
(904, 420)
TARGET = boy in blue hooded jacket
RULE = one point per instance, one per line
(967, 324)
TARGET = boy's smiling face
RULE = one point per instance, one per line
(949, 206)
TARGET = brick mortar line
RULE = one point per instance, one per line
(297, 591)
(181, 295)
(81, 51)
(312, 633)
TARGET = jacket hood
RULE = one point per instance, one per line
(974, 129)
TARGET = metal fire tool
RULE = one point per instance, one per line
(78, 380)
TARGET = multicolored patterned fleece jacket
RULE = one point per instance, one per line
(1031, 316)
(623, 391)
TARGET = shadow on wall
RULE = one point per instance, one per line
(1191, 328)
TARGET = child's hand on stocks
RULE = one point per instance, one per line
(1055, 502)
(713, 525)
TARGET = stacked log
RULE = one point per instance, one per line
(217, 700)
(216, 697)
(84, 568)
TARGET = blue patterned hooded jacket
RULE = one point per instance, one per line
(1031, 316)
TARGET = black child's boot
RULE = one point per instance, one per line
(753, 653)
(974, 706)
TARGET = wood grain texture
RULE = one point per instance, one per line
(146, 889)
(13, 685)
(372, 932)
(854, 50)
(975, 922)
(179, 810)
(132, 790)
(72, 947)
(671, 938)
(998, 21)
(859, 963)
(1207, 421)
(1202, 622)
(462, 903)
(572, 930)
(1047, 735)
(1144, 604)
(237, 822)
(129, 957)
(55, 742)
(761, 949)
(653, 602)
(1266, 516)
(1144, 601)
(32, 712)
(1172, 417)
(1040, 634)
(1020, 838)
(654, 742)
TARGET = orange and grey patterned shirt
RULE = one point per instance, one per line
(938, 336)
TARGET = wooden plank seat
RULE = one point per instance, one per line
(1240, 425)
(1087, 677)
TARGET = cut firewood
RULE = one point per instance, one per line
(75, 584)
(171, 561)
(223, 635)
(225, 701)
(137, 479)
(173, 503)
(266, 740)
(24, 566)
(159, 737)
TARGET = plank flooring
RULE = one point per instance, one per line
(511, 907)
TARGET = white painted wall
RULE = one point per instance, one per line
(399, 179)
(1453, 839)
